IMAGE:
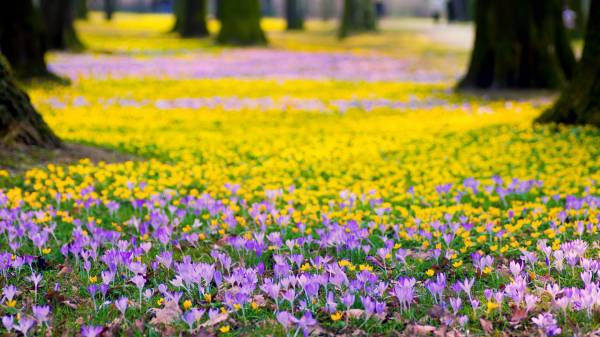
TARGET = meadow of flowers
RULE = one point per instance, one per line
(331, 193)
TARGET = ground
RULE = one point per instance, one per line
(314, 186)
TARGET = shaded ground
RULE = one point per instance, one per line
(19, 160)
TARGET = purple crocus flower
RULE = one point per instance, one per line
(121, 304)
(547, 323)
(41, 313)
(91, 331)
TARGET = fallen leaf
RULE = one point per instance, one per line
(66, 269)
(420, 330)
(518, 314)
(486, 326)
(260, 300)
(355, 313)
(215, 320)
(166, 315)
(436, 311)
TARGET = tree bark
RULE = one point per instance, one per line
(191, 18)
(327, 9)
(60, 30)
(81, 9)
(519, 44)
(579, 102)
(22, 38)
(240, 23)
(20, 123)
(178, 12)
(109, 9)
(358, 16)
(294, 14)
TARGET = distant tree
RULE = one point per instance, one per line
(459, 10)
(294, 14)
(20, 123)
(240, 23)
(109, 9)
(327, 9)
(191, 18)
(23, 38)
(579, 102)
(519, 44)
(358, 16)
(267, 8)
(58, 18)
(81, 9)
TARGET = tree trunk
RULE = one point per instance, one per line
(579, 102)
(294, 14)
(109, 9)
(81, 9)
(178, 12)
(60, 31)
(327, 9)
(358, 16)
(192, 18)
(519, 44)
(20, 124)
(267, 8)
(240, 23)
(22, 38)
(580, 18)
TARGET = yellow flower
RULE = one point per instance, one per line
(254, 305)
(160, 301)
(93, 279)
(491, 306)
(430, 272)
(457, 264)
(187, 304)
(487, 270)
(224, 329)
(336, 317)
(207, 297)
(46, 250)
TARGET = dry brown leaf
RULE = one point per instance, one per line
(355, 313)
(66, 269)
(260, 300)
(518, 314)
(420, 330)
(166, 315)
(486, 326)
(215, 320)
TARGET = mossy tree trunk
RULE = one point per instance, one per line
(81, 9)
(191, 18)
(58, 19)
(22, 38)
(240, 23)
(519, 44)
(579, 102)
(358, 16)
(294, 14)
(109, 9)
(20, 123)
